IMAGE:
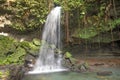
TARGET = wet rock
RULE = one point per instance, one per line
(16, 72)
(74, 64)
(104, 73)
(29, 64)
(83, 68)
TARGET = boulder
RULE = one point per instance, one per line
(36, 42)
(16, 72)
(104, 73)
(73, 64)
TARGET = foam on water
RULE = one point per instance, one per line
(46, 71)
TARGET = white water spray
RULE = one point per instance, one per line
(48, 60)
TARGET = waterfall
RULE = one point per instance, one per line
(49, 60)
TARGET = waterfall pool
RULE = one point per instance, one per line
(75, 76)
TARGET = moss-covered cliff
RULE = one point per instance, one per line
(13, 51)
(106, 33)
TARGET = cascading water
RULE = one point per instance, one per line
(48, 61)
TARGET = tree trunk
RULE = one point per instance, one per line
(67, 26)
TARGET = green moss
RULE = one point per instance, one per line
(6, 45)
(13, 51)
(16, 57)
(36, 42)
(96, 33)
(30, 47)
(106, 37)
(68, 55)
(25, 45)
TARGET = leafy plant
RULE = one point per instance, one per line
(27, 14)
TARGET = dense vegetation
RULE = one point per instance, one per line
(88, 20)
(83, 22)
(25, 14)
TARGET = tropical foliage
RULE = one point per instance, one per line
(84, 16)
(26, 14)
(90, 20)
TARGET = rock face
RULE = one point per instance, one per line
(16, 72)
(4, 21)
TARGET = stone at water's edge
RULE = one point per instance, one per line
(104, 73)
(16, 72)
(73, 64)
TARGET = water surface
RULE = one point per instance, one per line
(75, 76)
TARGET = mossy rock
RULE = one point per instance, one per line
(106, 37)
(13, 51)
(16, 57)
(10, 50)
(36, 42)
(29, 46)
(7, 45)
(68, 55)
(33, 47)
(25, 45)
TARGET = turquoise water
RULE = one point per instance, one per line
(75, 76)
